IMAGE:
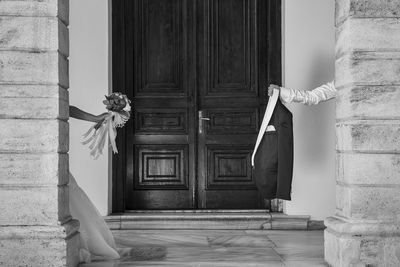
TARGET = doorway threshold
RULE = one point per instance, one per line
(197, 211)
(206, 219)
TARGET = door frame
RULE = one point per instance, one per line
(119, 81)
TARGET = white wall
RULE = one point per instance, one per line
(89, 82)
(308, 36)
(308, 61)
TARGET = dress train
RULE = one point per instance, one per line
(97, 241)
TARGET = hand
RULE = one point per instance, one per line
(100, 119)
(102, 116)
(271, 89)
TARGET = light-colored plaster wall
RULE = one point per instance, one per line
(308, 61)
(308, 36)
(89, 82)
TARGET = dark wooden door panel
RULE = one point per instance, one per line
(228, 167)
(232, 121)
(161, 143)
(161, 177)
(161, 37)
(158, 121)
(177, 59)
(232, 199)
(231, 47)
(161, 167)
(231, 99)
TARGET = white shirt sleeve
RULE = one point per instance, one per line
(312, 97)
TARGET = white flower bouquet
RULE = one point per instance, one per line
(119, 108)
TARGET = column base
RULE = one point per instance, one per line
(362, 243)
(40, 245)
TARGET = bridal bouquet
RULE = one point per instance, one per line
(118, 106)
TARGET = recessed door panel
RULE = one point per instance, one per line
(229, 46)
(159, 27)
(228, 167)
(161, 167)
(232, 121)
(161, 121)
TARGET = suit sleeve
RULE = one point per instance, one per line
(312, 97)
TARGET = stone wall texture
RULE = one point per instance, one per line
(36, 228)
(365, 230)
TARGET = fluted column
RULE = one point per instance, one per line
(36, 228)
(365, 230)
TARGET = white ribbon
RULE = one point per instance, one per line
(96, 138)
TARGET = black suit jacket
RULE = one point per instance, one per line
(282, 118)
(281, 180)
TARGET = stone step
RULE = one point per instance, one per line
(207, 219)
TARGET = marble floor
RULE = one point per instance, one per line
(217, 248)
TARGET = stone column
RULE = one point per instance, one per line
(36, 228)
(365, 230)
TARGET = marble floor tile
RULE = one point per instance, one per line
(203, 233)
(223, 254)
(289, 233)
(186, 264)
(239, 241)
(308, 263)
(160, 239)
(296, 238)
(209, 248)
(301, 253)
(181, 232)
(219, 264)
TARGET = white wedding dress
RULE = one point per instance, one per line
(97, 241)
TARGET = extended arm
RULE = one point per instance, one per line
(79, 114)
(312, 97)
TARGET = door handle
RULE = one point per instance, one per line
(201, 119)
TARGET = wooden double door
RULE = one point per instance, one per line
(196, 72)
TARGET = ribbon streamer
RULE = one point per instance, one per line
(96, 137)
